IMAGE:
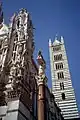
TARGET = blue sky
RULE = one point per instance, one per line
(50, 17)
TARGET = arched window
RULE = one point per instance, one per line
(62, 86)
(63, 96)
(60, 75)
(59, 66)
(57, 48)
(18, 22)
(58, 57)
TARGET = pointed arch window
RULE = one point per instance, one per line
(60, 75)
(57, 48)
(62, 86)
(59, 66)
(63, 96)
(57, 57)
(18, 22)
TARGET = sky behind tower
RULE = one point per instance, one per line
(50, 17)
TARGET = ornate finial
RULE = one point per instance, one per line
(40, 59)
(56, 37)
(39, 53)
(42, 66)
(12, 18)
(1, 13)
(22, 10)
(50, 43)
(62, 39)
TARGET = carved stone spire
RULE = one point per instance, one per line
(1, 13)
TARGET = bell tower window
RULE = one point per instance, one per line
(57, 48)
(62, 86)
(63, 96)
(59, 66)
(57, 57)
(60, 75)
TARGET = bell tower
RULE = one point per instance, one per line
(61, 79)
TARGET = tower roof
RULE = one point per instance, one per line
(56, 41)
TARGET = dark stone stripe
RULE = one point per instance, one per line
(23, 115)
(2, 115)
(12, 110)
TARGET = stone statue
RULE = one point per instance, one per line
(42, 66)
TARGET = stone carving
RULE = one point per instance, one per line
(16, 75)
(42, 66)
(6, 64)
(22, 24)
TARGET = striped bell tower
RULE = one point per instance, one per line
(61, 80)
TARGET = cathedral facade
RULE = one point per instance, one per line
(24, 93)
(18, 99)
